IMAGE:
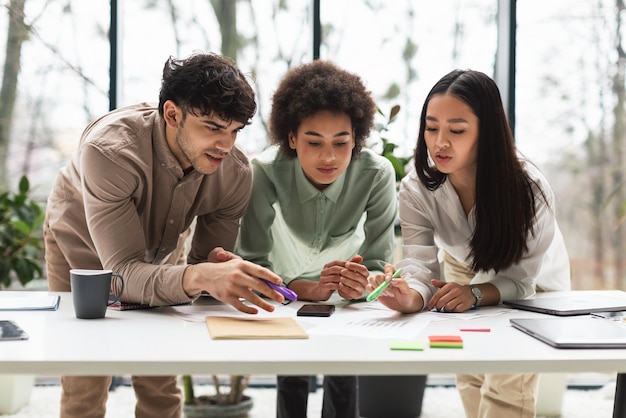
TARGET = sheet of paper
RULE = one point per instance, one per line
(225, 327)
(369, 320)
(198, 313)
(29, 302)
(482, 312)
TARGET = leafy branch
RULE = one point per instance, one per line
(388, 147)
(21, 220)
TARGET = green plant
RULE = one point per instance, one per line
(237, 385)
(388, 147)
(21, 247)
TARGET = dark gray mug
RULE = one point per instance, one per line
(91, 289)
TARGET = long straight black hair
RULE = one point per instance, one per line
(505, 201)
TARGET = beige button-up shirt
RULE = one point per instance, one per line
(123, 202)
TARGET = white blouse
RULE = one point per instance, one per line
(434, 220)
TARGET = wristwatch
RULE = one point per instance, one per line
(478, 294)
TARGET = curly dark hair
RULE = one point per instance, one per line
(207, 84)
(316, 86)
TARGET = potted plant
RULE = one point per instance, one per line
(231, 404)
(21, 247)
(388, 148)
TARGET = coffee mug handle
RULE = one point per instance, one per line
(119, 294)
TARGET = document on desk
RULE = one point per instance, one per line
(370, 320)
(198, 313)
(240, 328)
(482, 312)
(36, 301)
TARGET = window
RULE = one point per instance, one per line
(401, 49)
(570, 93)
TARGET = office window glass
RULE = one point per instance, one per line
(264, 37)
(402, 48)
(61, 85)
(63, 81)
(570, 122)
(569, 83)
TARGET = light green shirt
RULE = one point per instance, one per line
(294, 229)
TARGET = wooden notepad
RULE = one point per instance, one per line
(240, 328)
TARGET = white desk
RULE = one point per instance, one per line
(150, 342)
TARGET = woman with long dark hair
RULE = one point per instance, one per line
(478, 226)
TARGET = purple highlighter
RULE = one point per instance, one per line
(287, 293)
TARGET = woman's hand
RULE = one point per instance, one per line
(353, 278)
(451, 297)
(348, 278)
(219, 255)
(398, 296)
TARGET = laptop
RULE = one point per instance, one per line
(571, 304)
(577, 332)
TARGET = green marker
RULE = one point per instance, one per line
(381, 287)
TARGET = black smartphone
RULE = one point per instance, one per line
(316, 309)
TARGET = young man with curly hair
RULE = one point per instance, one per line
(139, 178)
(322, 208)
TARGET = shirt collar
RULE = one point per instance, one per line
(307, 191)
(164, 154)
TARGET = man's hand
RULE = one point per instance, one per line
(231, 280)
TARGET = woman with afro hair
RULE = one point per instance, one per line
(323, 207)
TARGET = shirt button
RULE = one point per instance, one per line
(171, 221)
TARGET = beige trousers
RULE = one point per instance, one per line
(86, 396)
(491, 395)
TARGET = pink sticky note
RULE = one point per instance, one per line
(475, 329)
